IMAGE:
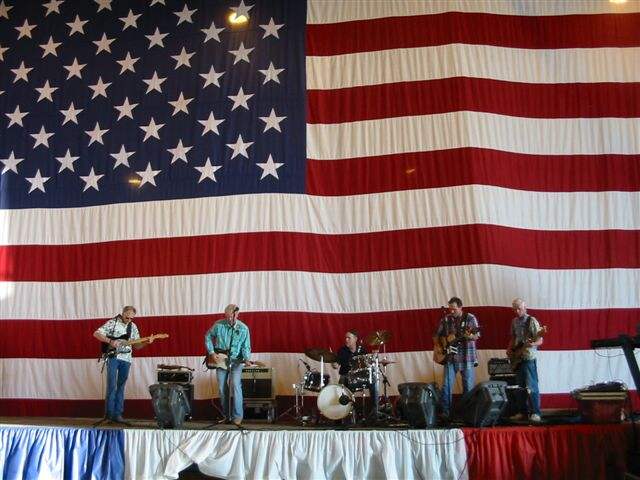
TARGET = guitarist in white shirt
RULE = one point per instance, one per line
(115, 333)
(526, 332)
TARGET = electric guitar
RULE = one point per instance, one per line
(108, 351)
(221, 362)
(211, 361)
(517, 352)
(444, 347)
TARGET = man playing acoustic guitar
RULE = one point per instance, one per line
(119, 333)
(228, 345)
(526, 336)
(455, 348)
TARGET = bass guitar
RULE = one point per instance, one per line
(444, 347)
(108, 351)
(517, 352)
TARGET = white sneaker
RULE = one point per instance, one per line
(535, 418)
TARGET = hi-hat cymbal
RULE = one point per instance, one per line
(378, 337)
(321, 354)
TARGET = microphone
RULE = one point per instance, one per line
(344, 400)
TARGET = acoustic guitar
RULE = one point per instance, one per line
(444, 347)
(517, 352)
(108, 351)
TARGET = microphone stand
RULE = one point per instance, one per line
(105, 359)
(229, 364)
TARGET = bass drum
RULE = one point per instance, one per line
(335, 402)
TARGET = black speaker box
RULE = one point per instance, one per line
(174, 376)
(170, 404)
(418, 403)
(257, 383)
(483, 405)
(518, 401)
(256, 388)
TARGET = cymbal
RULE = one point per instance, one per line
(378, 337)
(385, 362)
(321, 353)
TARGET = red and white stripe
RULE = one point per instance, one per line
(483, 149)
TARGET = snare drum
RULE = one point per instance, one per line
(311, 381)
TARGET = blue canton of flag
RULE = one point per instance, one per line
(110, 101)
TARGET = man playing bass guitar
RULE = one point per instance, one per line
(455, 348)
(526, 337)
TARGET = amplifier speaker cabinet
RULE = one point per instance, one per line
(518, 401)
(179, 377)
(175, 376)
(500, 370)
(258, 383)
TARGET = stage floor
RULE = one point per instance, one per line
(262, 450)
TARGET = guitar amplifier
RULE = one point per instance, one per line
(500, 369)
(258, 383)
(179, 376)
(174, 376)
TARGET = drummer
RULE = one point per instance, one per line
(345, 354)
(350, 349)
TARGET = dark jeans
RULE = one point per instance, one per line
(527, 376)
(117, 374)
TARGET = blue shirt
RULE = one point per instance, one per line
(220, 337)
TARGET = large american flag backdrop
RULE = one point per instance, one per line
(328, 165)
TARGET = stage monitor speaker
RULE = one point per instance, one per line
(483, 405)
(170, 404)
(418, 403)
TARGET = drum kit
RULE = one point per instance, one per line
(337, 401)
